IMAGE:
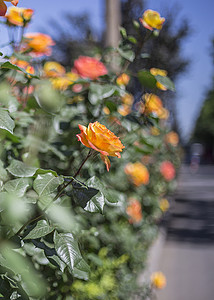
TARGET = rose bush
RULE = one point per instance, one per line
(69, 229)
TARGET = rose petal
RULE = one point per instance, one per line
(97, 149)
(106, 160)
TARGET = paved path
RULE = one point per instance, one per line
(187, 259)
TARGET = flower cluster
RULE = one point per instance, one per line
(19, 16)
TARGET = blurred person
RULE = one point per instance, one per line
(196, 151)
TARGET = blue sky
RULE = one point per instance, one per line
(192, 86)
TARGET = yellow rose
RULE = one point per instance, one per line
(53, 69)
(160, 72)
(138, 173)
(152, 20)
(19, 16)
(101, 139)
(164, 204)
(153, 104)
(158, 280)
(123, 79)
(128, 99)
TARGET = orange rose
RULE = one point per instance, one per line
(101, 139)
(89, 67)
(134, 211)
(158, 280)
(172, 138)
(152, 20)
(153, 104)
(3, 7)
(38, 44)
(167, 169)
(123, 79)
(19, 16)
(138, 173)
(160, 72)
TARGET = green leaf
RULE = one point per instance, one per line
(96, 204)
(18, 264)
(9, 66)
(96, 183)
(166, 82)
(132, 39)
(56, 261)
(19, 186)
(127, 54)
(42, 228)
(1, 54)
(46, 184)
(91, 199)
(98, 92)
(93, 195)
(81, 270)
(67, 249)
(123, 32)
(136, 24)
(44, 201)
(147, 79)
(5, 121)
(3, 172)
(20, 169)
(43, 171)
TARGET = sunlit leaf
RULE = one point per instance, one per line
(42, 228)
(19, 186)
(46, 184)
(81, 270)
(5, 121)
(67, 249)
(20, 169)
(97, 92)
(164, 80)
(127, 54)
